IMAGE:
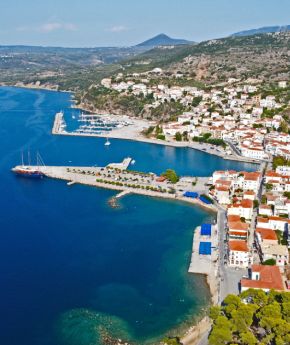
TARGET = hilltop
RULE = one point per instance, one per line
(163, 40)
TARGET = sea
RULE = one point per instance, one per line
(73, 270)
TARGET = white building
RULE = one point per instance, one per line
(239, 255)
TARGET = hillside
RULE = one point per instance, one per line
(263, 56)
(162, 40)
(263, 30)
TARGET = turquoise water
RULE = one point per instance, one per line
(71, 267)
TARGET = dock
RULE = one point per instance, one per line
(122, 166)
(116, 176)
(206, 264)
(58, 123)
(120, 195)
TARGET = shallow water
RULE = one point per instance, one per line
(63, 251)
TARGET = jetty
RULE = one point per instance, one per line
(116, 176)
(205, 255)
(120, 195)
(58, 124)
(122, 166)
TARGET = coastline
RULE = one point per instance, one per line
(140, 138)
(31, 86)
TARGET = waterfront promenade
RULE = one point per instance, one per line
(133, 132)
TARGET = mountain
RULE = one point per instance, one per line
(264, 30)
(163, 40)
(261, 56)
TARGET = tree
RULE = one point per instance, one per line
(256, 203)
(215, 312)
(269, 187)
(248, 338)
(171, 175)
(269, 262)
(221, 332)
(232, 302)
(196, 101)
(178, 136)
(264, 199)
(171, 341)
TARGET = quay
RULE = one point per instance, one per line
(120, 195)
(122, 166)
(115, 176)
(58, 124)
(205, 254)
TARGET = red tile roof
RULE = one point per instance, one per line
(239, 246)
(238, 226)
(270, 278)
(233, 218)
(267, 234)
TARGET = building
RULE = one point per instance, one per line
(244, 209)
(263, 277)
(277, 252)
(265, 210)
(266, 236)
(239, 255)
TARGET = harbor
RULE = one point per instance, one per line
(128, 128)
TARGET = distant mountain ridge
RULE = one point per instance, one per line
(263, 30)
(163, 40)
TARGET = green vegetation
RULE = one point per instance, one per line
(178, 136)
(269, 262)
(278, 161)
(252, 318)
(263, 199)
(206, 138)
(281, 237)
(161, 137)
(171, 341)
(256, 203)
(171, 175)
(287, 195)
(269, 187)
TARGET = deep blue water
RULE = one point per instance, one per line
(62, 248)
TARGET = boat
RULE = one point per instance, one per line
(133, 161)
(107, 143)
(28, 170)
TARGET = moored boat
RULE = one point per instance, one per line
(28, 170)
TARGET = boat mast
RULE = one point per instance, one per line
(29, 161)
(22, 161)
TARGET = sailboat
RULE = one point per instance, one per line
(28, 170)
(107, 143)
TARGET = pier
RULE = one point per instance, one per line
(58, 124)
(115, 176)
(120, 195)
(206, 262)
(122, 166)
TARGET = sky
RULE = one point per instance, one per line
(92, 23)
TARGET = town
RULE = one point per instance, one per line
(241, 119)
